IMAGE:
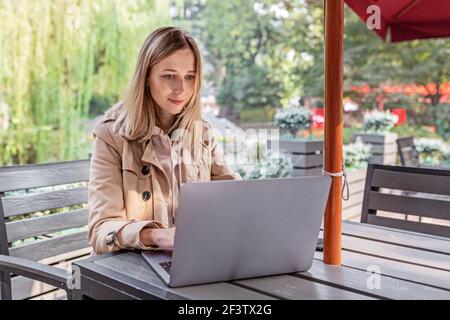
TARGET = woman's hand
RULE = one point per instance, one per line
(163, 238)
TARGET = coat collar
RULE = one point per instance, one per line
(135, 154)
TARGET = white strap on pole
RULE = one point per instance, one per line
(345, 186)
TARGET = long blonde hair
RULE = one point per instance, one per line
(136, 112)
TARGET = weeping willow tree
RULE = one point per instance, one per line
(55, 55)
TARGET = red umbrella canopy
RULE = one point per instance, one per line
(406, 19)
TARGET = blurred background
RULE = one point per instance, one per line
(64, 62)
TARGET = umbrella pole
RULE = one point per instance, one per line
(334, 30)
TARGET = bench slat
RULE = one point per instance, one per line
(432, 208)
(23, 229)
(25, 288)
(439, 230)
(409, 181)
(51, 247)
(43, 175)
(13, 206)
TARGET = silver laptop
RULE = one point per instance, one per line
(230, 230)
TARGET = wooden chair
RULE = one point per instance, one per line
(422, 192)
(407, 152)
(22, 260)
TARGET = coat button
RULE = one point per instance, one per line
(146, 195)
(145, 170)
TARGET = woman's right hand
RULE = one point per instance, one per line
(163, 238)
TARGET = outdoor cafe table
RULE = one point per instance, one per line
(377, 263)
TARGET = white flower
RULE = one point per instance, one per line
(379, 121)
(428, 145)
(294, 119)
(357, 153)
(432, 151)
(275, 165)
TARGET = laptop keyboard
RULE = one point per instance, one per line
(166, 266)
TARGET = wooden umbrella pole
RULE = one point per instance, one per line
(334, 30)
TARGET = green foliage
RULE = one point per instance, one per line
(272, 166)
(275, 166)
(291, 120)
(99, 104)
(432, 151)
(250, 87)
(254, 161)
(268, 44)
(357, 154)
(370, 60)
(303, 31)
(64, 61)
(348, 133)
(291, 46)
(446, 156)
(400, 100)
(54, 56)
(257, 114)
(378, 121)
(415, 131)
(442, 116)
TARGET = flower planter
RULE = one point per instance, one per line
(384, 146)
(351, 209)
(307, 155)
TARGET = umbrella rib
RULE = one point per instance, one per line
(406, 8)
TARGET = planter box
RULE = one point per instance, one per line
(384, 146)
(351, 209)
(307, 155)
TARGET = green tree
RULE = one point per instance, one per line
(282, 39)
(251, 87)
(370, 60)
(54, 57)
(239, 36)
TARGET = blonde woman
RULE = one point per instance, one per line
(148, 144)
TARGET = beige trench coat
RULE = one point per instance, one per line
(129, 188)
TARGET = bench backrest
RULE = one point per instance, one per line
(24, 193)
(408, 154)
(394, 192)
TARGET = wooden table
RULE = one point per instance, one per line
(402, 265)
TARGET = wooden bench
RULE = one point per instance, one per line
(407, 152)
(57, 237)
(408, 198)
